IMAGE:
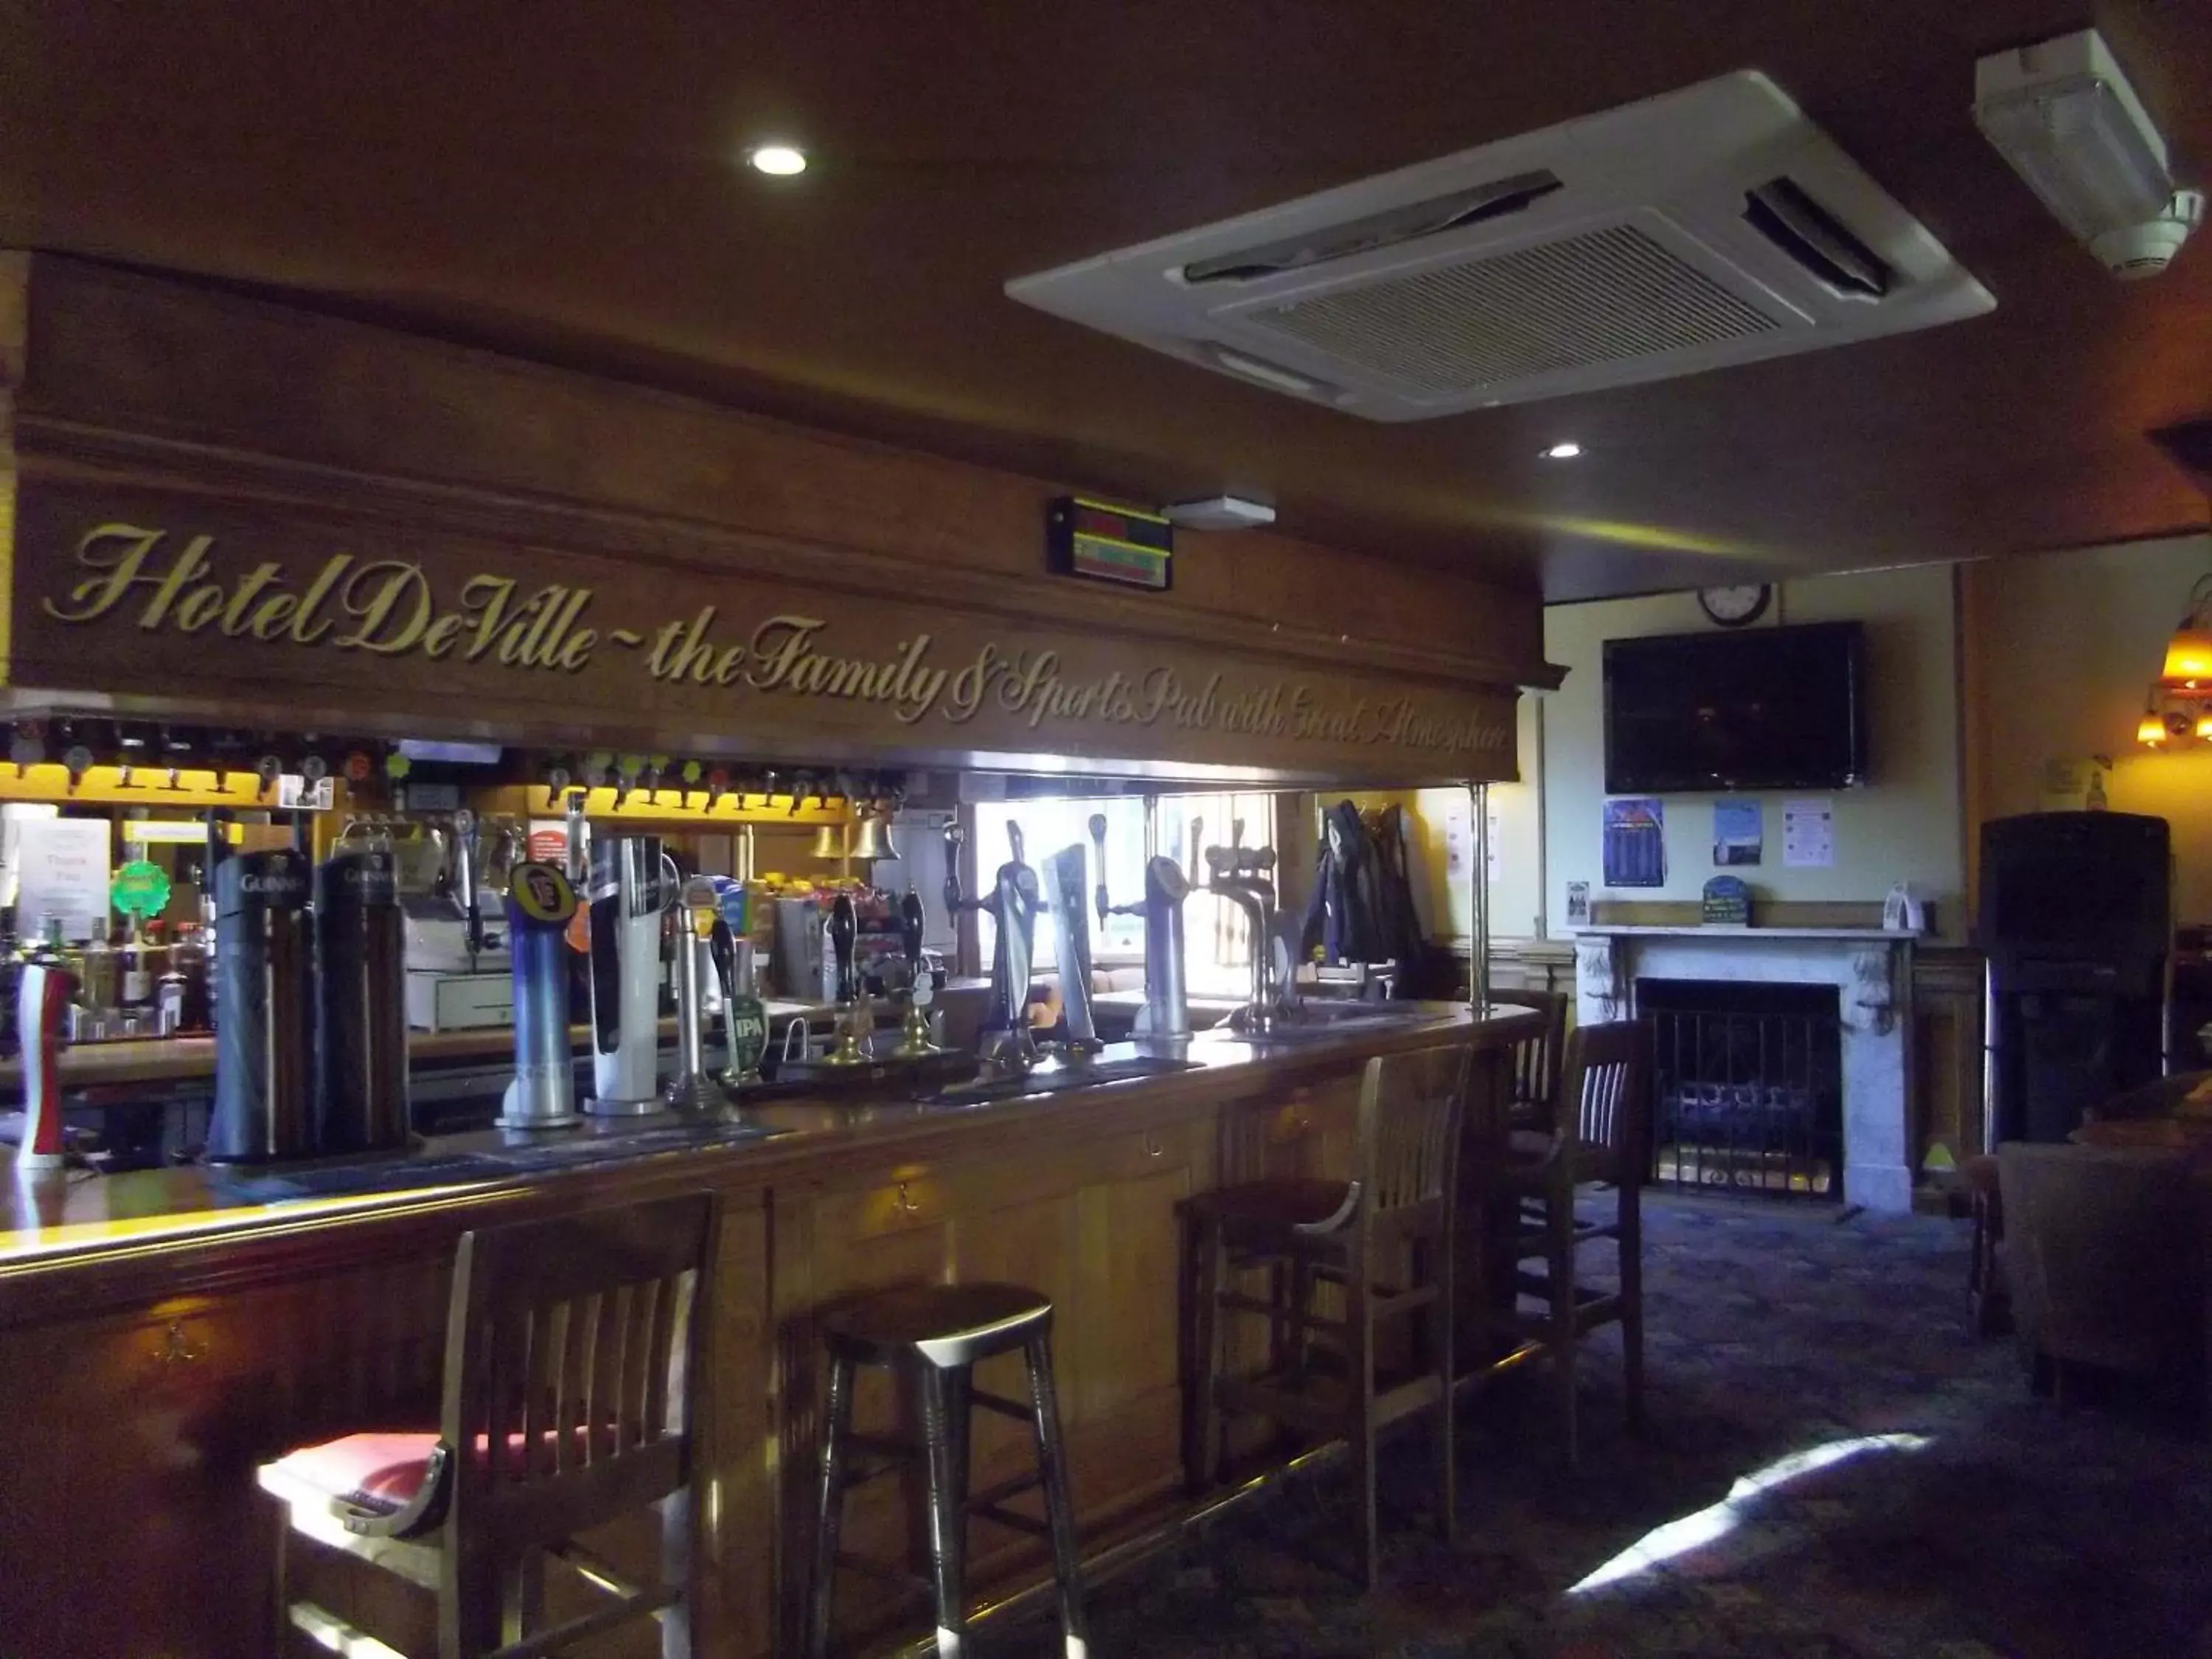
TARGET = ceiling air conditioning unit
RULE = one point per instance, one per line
(1711, 226)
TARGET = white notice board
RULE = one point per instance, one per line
(64, 873)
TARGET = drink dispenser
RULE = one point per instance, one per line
(361, 1009)
(263, 1070)
(43, 995)
(539, 903)
(629, 894)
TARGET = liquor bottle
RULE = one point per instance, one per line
(134, 985)
(97, 973)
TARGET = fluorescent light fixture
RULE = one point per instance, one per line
(1563, 452)
(2063, 114)
(1219, 512)
(777, 161)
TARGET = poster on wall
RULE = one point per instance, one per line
(1459, 834)
(1578, 904)
(1636, 842)
(1809, 833)
(1739, 832)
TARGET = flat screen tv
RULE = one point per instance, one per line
(1766, 708)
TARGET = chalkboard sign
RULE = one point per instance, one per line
(1727, 903)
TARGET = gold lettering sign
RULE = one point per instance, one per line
(191, 609)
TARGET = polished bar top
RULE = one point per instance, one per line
(49, 1221)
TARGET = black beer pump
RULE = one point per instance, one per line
(264, 969)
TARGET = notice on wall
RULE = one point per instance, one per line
(1739, 832)
(2075, 784)
(1578, 911)
(1809, 833)
(64, 872)
(1494, 849)
(1459, 836)
(1636, 842)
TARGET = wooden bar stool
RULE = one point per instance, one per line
(571, 1387)
(1536, 1058)
(938, 1334)
(1394, 1216)
(1602, 1135)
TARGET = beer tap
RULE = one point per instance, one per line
(1166, 1012)
(691, 1088)
(1012, 905)
(844, 934)
(745, 1020)
(1072, 922)
(465, 898)
(914, 1042)
(1245, 876)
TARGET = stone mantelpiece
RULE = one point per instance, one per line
(1872, 971)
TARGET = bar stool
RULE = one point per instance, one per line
(1536, 1058)
(1395, 1216)
(571, 1385)
(1602, 1135)
(938, 1334)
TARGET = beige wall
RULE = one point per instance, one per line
(1903, 826)
(1446, 905)
(2064, 647)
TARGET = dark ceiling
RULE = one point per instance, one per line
(558, 181)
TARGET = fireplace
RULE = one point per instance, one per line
(1748, 1086)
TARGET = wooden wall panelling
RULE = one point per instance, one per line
(110, 355)
(1948, 1013)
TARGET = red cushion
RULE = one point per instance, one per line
(377, 1472)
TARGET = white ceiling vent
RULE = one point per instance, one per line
(1712, 226)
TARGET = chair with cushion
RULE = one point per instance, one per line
(1601, 1138)
(2104, 1256)
(1385, 1238)
(571, 1385)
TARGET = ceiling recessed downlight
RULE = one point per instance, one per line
(1563, 452)
(777, 161)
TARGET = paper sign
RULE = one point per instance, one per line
(1809, 833)
(1739, 832)
(1496, 846)
(66, 874)
(1578, 904)
(1459, 833)
(1636, 842)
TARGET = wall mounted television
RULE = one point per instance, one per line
(1765, 709)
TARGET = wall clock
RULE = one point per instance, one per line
(1738, 606)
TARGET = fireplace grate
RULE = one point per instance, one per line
(1747, 1090)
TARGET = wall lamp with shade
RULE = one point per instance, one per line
(2187, 671)
(2179, 705)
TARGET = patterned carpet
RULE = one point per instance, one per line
(1935, 1508)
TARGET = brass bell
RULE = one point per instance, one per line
(829, 842)
(874, 841)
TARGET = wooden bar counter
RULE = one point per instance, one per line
(161, 1332)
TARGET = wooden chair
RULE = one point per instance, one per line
(571, 1386)
(1603, 1136)
(1536, 1058)
(1397, 1210)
